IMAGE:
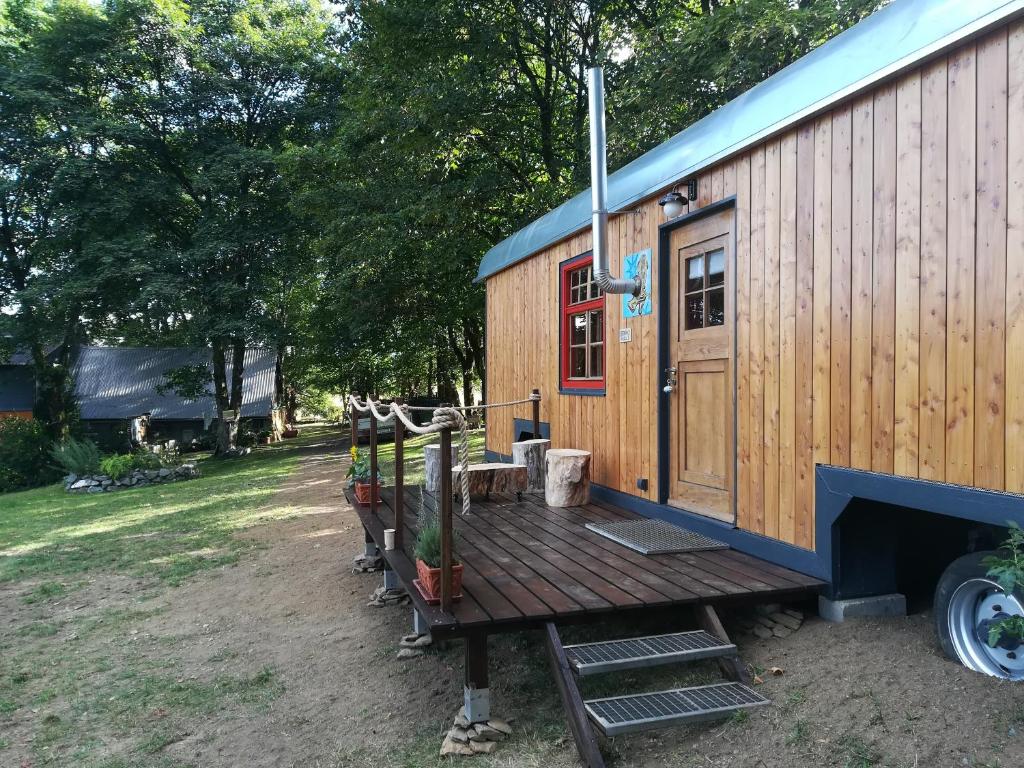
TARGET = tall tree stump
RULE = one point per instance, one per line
(567, 477)
(530, 453)
(432, 465)
(485, 478)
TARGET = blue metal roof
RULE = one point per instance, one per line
(890, 40)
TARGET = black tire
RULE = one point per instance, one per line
(960, 570)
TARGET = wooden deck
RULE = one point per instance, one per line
(527, 563)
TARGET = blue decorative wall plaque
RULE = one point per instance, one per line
(638, 267)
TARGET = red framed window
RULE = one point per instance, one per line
(583, 316)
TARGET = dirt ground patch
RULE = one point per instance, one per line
(313, 679)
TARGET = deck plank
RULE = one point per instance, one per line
(625, 583)
(526, 563)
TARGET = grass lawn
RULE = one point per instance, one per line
(78, 573)
(414, 473)
(166, 531)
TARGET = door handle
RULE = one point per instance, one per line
(671, 380)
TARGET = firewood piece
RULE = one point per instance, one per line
(567, 477)
(485, 479)
(432, 465)
(531, 454)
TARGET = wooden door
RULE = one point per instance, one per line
(702, 401)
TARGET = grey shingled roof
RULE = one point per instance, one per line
(121, 383)
(888, 41)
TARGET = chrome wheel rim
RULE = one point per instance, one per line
(974, 607)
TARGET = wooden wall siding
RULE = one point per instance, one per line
(880, 301)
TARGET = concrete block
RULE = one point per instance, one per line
(893, 604)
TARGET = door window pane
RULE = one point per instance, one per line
(704, 298)
(694, 274)
(716, 307)
(695, 310)
(716, 268)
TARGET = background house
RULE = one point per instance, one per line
(115, 385)
(17, 387)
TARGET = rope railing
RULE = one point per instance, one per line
(443, 420)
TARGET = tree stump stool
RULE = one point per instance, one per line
(567, 477)
(432, 465)
(485, 478)
(530, 453)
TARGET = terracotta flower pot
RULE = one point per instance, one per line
(430, 578)
(363, 492)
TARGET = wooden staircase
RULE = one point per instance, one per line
(630, 713)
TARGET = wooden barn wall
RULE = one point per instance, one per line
(880, 301)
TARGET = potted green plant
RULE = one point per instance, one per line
(428, 563)
(360, 477)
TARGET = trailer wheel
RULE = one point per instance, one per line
(967, 603)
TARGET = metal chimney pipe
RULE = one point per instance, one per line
(599, 190)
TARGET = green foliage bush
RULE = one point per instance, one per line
(116, 466)
(24, 459)
(77, 457)
(120, 464)
(1008, 571)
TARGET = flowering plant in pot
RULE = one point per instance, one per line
(428, 562)
(359, 476)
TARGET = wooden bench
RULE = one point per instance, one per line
(496, 477)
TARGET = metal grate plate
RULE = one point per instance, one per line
(655, 537)
(644, 711)
(638, 652)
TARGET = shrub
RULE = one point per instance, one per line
(428, 543)
(116, 466)
(24, 460)
(143, 459)
(78, 457)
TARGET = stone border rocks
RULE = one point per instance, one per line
(134, 479)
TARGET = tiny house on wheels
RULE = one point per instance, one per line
(800, 326)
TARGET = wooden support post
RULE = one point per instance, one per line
(445, 520)
(536, 416)
(476, 693)
(399, 479)
(373, 464)
(579, 723)
(354, 418)
(732, 667)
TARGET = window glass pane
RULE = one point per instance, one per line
(574, 278)
(596, 325)
(574, 295)
(694, 273)
(716, 267)
(716, 306)
(578, 362)
(597, 361)
(578, 329)
(695, 311)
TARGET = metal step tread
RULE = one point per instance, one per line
(651, 651)
(645, 711)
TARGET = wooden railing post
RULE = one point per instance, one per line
(354, 419)
(373, 464)
(536, 415)
(399, 478)
(445, 520)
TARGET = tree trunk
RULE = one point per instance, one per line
(227, 398)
